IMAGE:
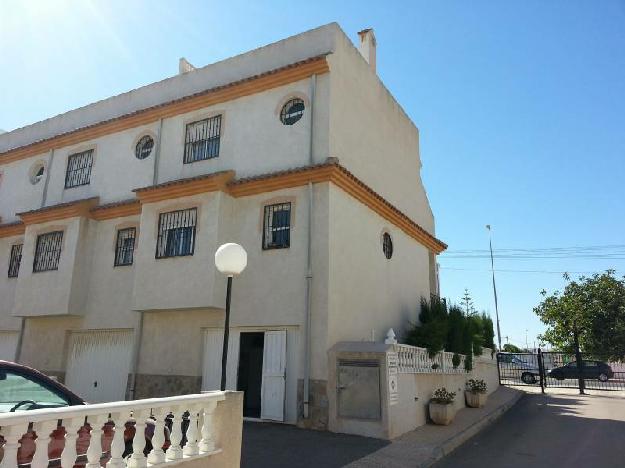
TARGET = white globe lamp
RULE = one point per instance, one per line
(231, 260)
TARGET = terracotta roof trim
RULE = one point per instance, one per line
(59, 206)
(173, 101)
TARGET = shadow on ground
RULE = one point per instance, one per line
(278, 445)
(549, 431)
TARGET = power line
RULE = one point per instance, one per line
(590, 247)
(523, 271)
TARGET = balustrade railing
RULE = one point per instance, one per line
(415, 360)
(155, 431)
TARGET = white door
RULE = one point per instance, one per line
(98, 364)
(8, 345)
(274, 376)
(213, 347)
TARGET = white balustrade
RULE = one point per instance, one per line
(150, 412)
(415, 360)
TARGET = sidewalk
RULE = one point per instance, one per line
(429, 443)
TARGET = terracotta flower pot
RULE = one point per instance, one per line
(442, 414)
(475, 400)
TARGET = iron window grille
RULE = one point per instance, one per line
(176, 233)
(15, 260)
(387, 245)
(292, 111)
(125, 246)
(79, 169)
(277, 226)
(202, 140)
(144, 147)
(48, 251)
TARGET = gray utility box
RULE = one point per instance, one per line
(359, 389)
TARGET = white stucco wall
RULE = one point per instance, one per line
(7, 285)
(372, 135)
(115, 171)
(368, 293)
(49, 292)
(17, 194)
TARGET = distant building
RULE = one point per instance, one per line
(111, 215)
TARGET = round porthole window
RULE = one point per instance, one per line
(387, 245)
(292, 111)
(37, 172)
(144, 147)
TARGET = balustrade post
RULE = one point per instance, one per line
(191, 448)
(43, 430)
(68, 456)
(157, 455)
(94, 452)
(175, 451)
(12, 435)
(118, 444)
(207, 443)
(138, 458)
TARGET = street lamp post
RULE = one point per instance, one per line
(230, 259)
(492, 267)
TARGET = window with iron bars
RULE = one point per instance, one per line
(202, 140)
(125, 246)
(15, 260)
(79, 169)
(176, 233)
(48, 251)
(277, 226)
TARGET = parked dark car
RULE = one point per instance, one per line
(23, 388)
(591, 370)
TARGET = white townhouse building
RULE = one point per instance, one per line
(111, 215)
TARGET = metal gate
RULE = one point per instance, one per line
(560, 370)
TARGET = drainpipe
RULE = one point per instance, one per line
(132, 393)
(44, 197)
(309, 274)
(135, 358)
(157, 152)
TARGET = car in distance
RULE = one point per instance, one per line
(591, 370)
(511, 366)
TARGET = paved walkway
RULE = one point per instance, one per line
(557, 429)
(276, 445)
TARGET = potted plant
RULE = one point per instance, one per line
(476, 393)
(441, 407)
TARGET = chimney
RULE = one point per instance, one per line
(367, 46)
(184, 66)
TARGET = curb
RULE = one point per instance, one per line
(458, 439)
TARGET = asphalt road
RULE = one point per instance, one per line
(551, 431)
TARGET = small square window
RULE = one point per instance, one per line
(79, 169)
(15, 260)
(277, 226)
(125, 246)
(48, 251)
(202, 140)
(176, 233)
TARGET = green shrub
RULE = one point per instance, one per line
(455, 360)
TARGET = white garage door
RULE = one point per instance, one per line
(8, 345)
(99, 363)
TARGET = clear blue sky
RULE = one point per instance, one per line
(521, 108)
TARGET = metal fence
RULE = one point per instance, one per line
(560, 370)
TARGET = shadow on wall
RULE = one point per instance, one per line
(271, 445)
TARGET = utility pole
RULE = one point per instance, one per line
(492, 267)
